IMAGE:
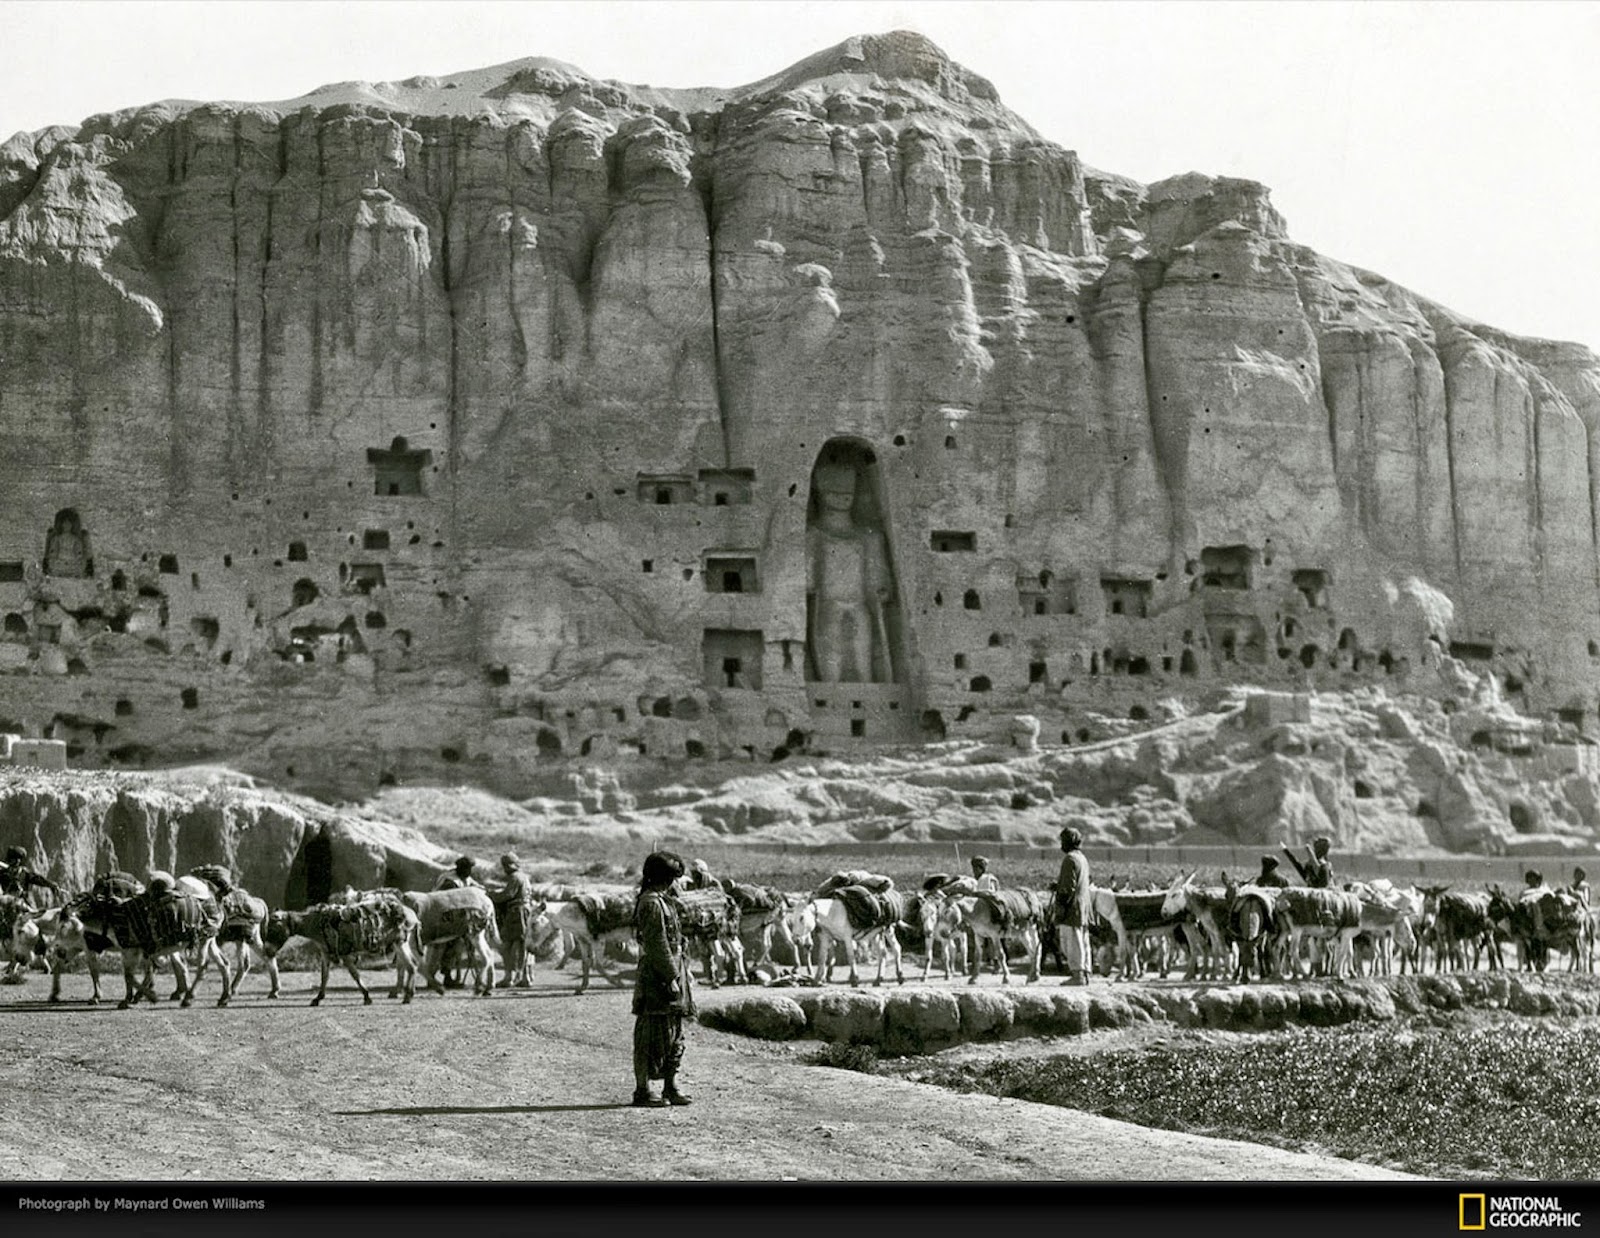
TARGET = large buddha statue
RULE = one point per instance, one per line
(66, 546)
(849, 586)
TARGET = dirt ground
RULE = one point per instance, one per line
(529, 1084)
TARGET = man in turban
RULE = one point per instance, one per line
(514, 911)
(1269, 875)
(1073, 912)
(663, 995)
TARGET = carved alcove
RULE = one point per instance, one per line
(855, 628)
(66, 547)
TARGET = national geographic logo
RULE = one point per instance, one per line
(1515, 1212)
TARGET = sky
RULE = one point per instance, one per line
(1448, 144)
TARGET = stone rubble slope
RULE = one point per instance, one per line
(1378, 775)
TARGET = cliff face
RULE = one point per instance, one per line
(477, 425)
(281, 847)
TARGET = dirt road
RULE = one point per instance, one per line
(525, 1085)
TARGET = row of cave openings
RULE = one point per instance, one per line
(67, 555)
(1219, 568)
(598, 722)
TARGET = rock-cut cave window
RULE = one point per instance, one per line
(731, 574)
(1126, 597)
(1312, 584)
(666, 490)
(945, 541)
(1226, 567)
(732, 657)
(727, 487)
(398, 471)
(365, 577)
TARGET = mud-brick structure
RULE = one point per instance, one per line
(470, 427)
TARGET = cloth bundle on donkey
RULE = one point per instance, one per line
(605, 913)
(156, 922)
(867, 909)
(459, 922)
(873, 883)
(115, 886)
(239, 909)
(753, 898)
(703, 913)
(1011, 907)
(356, 928)
(215, 876)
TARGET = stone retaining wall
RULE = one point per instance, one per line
(926, 1018)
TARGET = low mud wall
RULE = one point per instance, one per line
(922, 1019)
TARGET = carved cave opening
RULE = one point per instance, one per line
(727, 487)
(731, 574)
(1045, 594)
(731, 658)
(1126, 597)
(1237, 638)
(855, 630)
(1226, 567)
(399, 470)
(1312, 584)
(311, 873)
(66, 546)
(946, 542)
(365, 577)
(665, 489)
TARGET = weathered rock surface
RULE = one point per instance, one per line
(468, 429)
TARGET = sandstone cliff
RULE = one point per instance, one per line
(484, 427)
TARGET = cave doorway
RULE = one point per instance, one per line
(855, 629)
(311, 875)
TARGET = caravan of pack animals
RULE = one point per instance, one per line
(1235, 931)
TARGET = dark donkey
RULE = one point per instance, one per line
(374, 924)
(166, 921)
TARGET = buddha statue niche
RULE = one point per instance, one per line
(66, 547)
(849, 585)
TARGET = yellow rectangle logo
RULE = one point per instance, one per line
(1472, 1210)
